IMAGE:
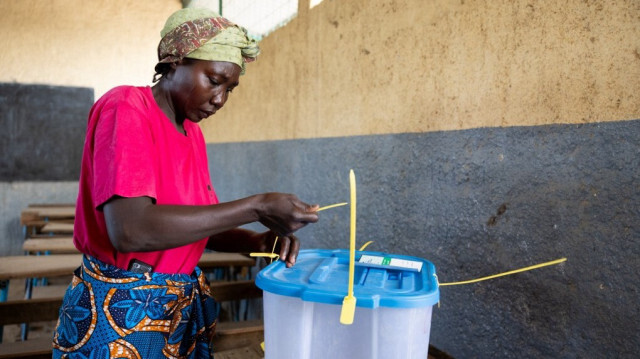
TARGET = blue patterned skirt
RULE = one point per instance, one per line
(108, 312)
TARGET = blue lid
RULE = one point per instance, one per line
(381, 279)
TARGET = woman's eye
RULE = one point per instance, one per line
(213, 82)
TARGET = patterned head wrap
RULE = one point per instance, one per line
(202, 34)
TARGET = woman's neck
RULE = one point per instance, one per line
(163, 99)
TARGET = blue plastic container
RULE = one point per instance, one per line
(395, 295)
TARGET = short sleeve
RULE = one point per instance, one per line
(123, 153)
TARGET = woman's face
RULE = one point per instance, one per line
(199, 88)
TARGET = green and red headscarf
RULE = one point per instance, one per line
(202, 34)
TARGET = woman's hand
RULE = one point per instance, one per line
(246, 241)
(284, 213)
(287, 247)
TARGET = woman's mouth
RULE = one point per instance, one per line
(206, 114)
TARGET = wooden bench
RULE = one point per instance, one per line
(15, 267)
(53, 245)
(228, 343)
(57, 228)
(19, 267)
(50, 210)
(36, 216)
(229, 335)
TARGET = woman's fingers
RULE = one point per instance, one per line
(309, 213)
(289, 248)
(293, 251)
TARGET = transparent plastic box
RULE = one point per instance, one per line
(302, 306)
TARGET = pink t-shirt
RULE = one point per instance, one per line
(131, 150)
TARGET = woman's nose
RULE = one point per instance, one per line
(219, 99)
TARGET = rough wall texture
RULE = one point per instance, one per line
(14, 196)
(475, 203)
(35, 119)
(365, 67)
(97, 44)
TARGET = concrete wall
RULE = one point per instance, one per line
(98, 44)
(364, 67)
(16, 195)
(485, 136)
(475, 203)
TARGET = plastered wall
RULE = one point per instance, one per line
(363, 67)
(98, 44)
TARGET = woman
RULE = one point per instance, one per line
(146, 208)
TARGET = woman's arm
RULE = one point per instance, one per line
(138, 225)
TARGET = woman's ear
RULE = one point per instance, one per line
(172, 68)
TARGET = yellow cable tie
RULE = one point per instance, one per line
(332, 206)
(349, 302)
(271, 255)
(264, 254)
(505, 273)
(365, 246)
(274, 248)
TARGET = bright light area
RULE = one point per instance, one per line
(313, 3)
(260, 17)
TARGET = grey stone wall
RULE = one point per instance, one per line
(44, 129)
(479, 202)
(15, 196)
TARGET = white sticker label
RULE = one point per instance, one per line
(391, 262)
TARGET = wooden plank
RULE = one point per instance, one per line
(32, 349)
(41, 309)
(222, 259)
(239, 327)
(57, 228)
(54, 245)
(249, 352)
(231, 335)
(32, 205)
(12, 267)
(29, 310)
(48, 291)
(243, 289)
(37, 215)
(64, 244)
(47, 236)
(51, 212)
(227, 334)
